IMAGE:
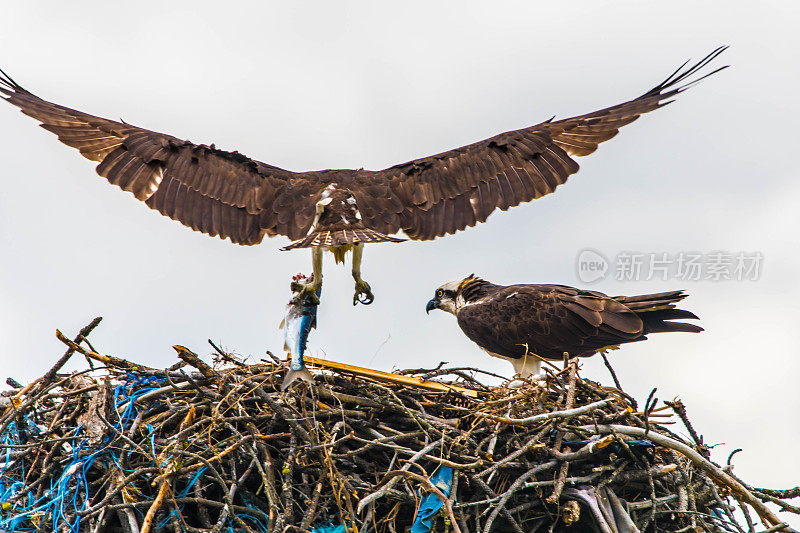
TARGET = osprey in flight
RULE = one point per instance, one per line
(229, 195)
(524, 324)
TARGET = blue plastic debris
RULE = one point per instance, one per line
(442, 479)
(329, 529)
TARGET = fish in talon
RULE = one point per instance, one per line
(300, 319)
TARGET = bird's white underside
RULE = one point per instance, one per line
(524, 367)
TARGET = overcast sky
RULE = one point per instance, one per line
(356, 84)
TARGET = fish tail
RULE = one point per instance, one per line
(294, 375)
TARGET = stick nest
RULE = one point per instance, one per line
(198, 447)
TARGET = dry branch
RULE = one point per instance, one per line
(128, 448)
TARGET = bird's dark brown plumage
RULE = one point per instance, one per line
(227, 194)
(549, 320)
(340, 224)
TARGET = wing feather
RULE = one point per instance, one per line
(545, 152)
(220, 193)
(426, 198)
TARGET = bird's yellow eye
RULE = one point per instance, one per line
(439, 293)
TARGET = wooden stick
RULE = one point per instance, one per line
(724, 479)
(105, 359)
(379, 375)
(543, 417)
(151, 512)
(190, 357)
(51, 374)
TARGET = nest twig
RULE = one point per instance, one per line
(129, 448)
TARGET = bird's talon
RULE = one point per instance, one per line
(366, 299)
(363, 294)
(307, 292)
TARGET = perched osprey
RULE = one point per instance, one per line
(229, 195)
(526, 323)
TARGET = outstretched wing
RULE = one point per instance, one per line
(548, 320)
(220, 193)
(450, 191)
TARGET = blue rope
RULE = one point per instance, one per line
(65, 491)
(185, 492)
(258, 523)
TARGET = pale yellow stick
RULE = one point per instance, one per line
(411, 381)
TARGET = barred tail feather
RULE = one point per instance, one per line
(341, 237)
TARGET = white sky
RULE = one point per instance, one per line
(357, 84)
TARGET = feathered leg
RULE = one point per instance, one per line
(528, 366)
(362, 287)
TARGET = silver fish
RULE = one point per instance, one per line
(300, 319)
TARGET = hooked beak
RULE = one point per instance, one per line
(432, 304)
